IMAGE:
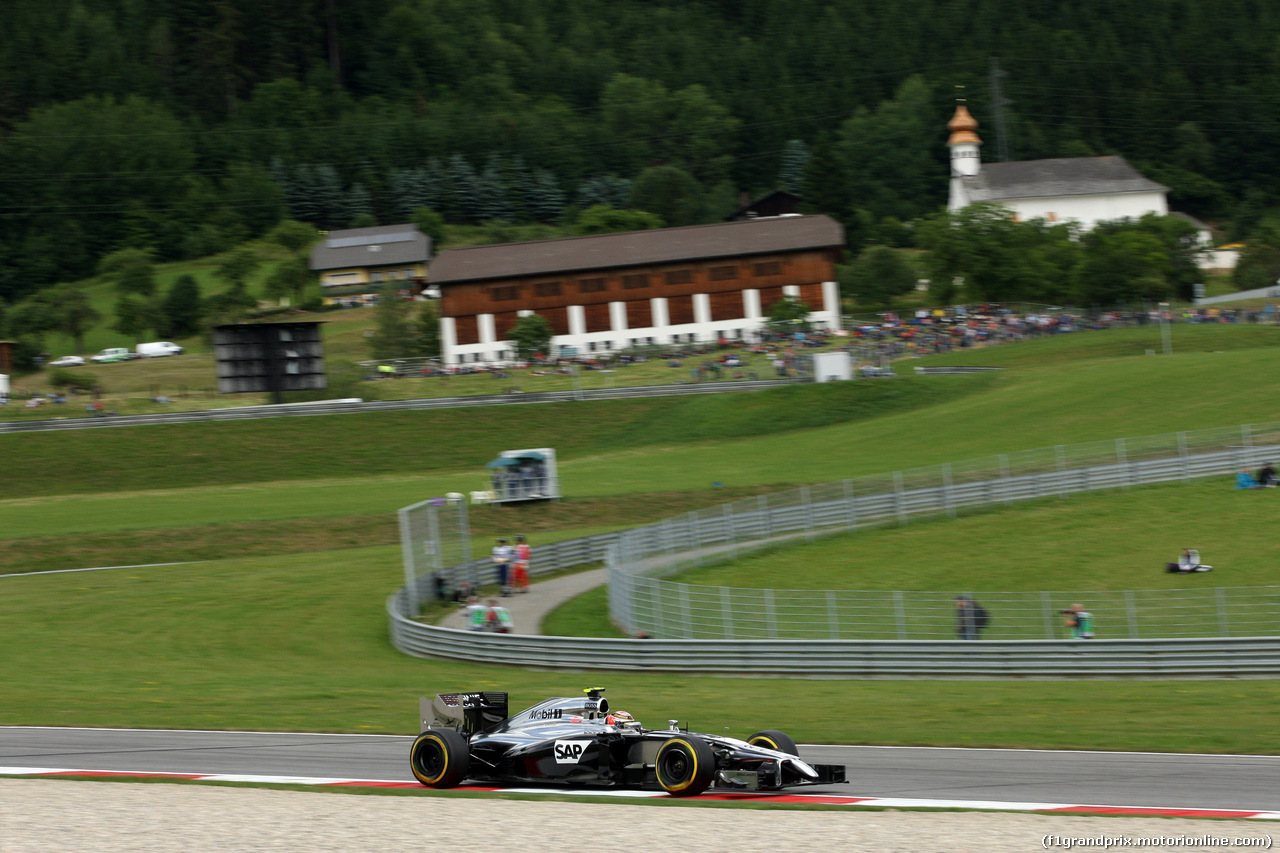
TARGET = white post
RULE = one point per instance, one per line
(1062, 464)
(808, 514)
(729, 532)
(1182, 454)
(685, 609)
(898, 498)
(946, 490)
(406, 552)
(851, 504)
(726, 612)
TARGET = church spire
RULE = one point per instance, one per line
(964, 142)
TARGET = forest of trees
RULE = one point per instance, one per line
(184, 127)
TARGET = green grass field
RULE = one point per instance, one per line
(268, 635)
(299, 643)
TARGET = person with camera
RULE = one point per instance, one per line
(1080, 621)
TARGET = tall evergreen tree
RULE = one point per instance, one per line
(183, 307)
(545, 198)
(466, 189)
(795, 159)
(394, 333)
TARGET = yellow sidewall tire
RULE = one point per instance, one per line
(695, 761)
(439, 759)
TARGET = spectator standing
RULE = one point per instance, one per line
(520, 573)
(971, 618)
(1080, 621)
(502, 557)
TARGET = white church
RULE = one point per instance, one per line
(1084, 190)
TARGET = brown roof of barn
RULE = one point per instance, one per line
(637, 248)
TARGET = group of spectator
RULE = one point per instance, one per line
(525, 480)
(491, 616)
(512, 562)
(972, 619)
(1264, 479)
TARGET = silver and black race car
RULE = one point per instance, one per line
(578, 741)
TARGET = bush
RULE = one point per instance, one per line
(63, 378)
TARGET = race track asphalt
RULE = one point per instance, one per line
(986, 775)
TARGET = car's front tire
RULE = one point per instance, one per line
(440, 758)
(774, 739)
(685, 766)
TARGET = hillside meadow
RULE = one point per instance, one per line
(263, 635)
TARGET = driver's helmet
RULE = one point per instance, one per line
(622, 720)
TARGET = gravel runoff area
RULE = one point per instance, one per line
(48, 816)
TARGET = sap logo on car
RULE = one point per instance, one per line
(570, 751)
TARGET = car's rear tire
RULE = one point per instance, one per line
(440, 758)
(685, 766)
(774, 739)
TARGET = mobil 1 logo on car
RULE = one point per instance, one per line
(570, 751)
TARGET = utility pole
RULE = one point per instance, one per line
(998, 103)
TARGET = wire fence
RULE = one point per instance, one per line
(700, 612)
(645, 604)
(435, 547)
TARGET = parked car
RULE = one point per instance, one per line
(111, 354)
(67, 361)
(158, 348)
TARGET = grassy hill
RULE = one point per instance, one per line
(284, 627)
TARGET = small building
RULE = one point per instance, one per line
(1083, 190)
(355, 265)
(776, 203)
(610, 292)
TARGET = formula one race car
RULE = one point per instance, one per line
(578, 741)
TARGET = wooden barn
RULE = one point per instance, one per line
(613, 291)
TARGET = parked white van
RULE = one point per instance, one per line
(158, 348)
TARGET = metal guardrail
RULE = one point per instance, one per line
(295, 410)
(1234, 656)
(675, 543)
(953, 371)
(546, 559)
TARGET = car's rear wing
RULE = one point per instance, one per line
(470, 712)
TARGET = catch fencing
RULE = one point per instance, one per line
(950, 659)
(348, 406)
(1207, 631)
(645, 604)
